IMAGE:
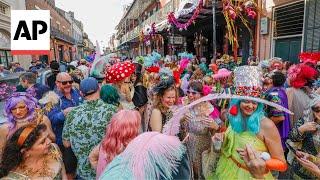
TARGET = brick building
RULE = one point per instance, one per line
(61, 40)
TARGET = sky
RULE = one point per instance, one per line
(99, 17)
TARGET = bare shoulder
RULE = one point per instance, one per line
(267, 124)
(156, 111)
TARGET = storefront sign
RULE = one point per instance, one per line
(175, 40)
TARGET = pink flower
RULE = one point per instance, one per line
(206, 90)
(232, 14)
(251, 13)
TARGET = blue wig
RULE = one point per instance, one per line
(253, 122)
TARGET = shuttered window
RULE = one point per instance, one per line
(312, 26)
(289, 19)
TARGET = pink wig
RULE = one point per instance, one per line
(124, 127)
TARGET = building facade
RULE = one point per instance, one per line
(5, 54)
(138, 16)
(285, 29)
(77, 33)
(61, 40)
(170, 40)
(88, 47)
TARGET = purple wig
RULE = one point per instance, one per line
(16, 98)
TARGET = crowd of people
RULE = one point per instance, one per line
(165, 118)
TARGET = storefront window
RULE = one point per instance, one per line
(5, 57)
(4, 40)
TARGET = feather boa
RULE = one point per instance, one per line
(49, 100)
(151, 155)
(173, 125)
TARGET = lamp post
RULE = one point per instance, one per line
(214, 38)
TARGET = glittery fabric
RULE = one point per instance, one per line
(248, 81)
(199, 140)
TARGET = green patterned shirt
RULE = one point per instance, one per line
(84, 128)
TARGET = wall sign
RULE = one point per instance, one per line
(264, 24)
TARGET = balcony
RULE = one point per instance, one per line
(157, 17)
(61, 36)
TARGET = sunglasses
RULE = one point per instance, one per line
(193, 92)
(316, 109)
(66, 82)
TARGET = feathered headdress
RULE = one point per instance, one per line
(165, 72)
(173, 125)
(300, 74)
(49, 100)
(185, 55)
(140, 59)
(248, 87)
(309, 57)
(151, 155)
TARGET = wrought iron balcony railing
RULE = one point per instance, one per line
(62, 36)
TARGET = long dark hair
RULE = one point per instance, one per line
(12, 155)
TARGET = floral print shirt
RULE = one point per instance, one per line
(84, 128)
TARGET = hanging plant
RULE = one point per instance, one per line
(242, 9)
(184, 26)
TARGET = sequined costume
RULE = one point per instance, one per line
(199, 140)
(23, 173)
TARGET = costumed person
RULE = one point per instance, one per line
(21, 109)
(76, 75)
(84, 68)
(200, 123)
(110, 95)
(123, 128)
(306, 132)
(150, 80)
(29, 154)
(222, 86)
(151, 155)
(140, 96)
(166, 98)
(248, 125)
(300, 78)
(119, 75)
(278, 95)
(276, 64)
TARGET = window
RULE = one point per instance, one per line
(312, 26)
(289, 19)
(5, 57)
(4, 9)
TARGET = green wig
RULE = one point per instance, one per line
(110, 95)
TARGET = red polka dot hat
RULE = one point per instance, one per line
(119, 71)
